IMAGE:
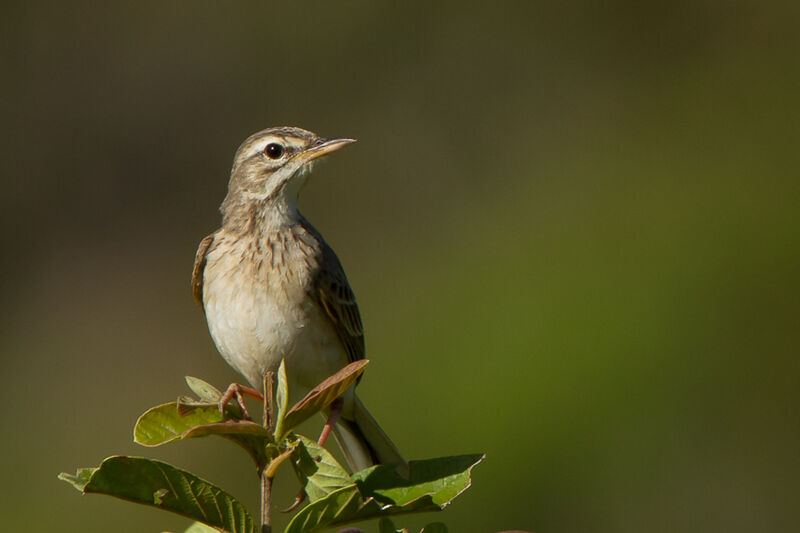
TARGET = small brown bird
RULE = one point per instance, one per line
(273, 289)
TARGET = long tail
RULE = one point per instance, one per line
(364, 443)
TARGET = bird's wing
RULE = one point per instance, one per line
(335, 296)
(199, 267)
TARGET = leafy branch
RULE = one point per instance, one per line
(335, 496)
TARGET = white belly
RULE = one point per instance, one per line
(255, 322)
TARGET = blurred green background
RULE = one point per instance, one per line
(572, 228)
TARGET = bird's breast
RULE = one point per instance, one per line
(257, 301)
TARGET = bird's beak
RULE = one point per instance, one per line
(323, 147)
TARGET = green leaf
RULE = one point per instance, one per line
(161, 485)
(167, 423)
(345, 503)
(229, 428)
(173, 421)
(443, 479)
(204, 390)
(321, 396)
(80, 479)
(199, 527)
(318, 472)
(379, 491)
(281, 399)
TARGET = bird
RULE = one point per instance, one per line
(272, 288)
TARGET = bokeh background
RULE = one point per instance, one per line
(572, 228)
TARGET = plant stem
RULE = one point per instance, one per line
(269, 379)
(266, 502)
(266, 477)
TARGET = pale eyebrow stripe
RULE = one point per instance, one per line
(258, 145)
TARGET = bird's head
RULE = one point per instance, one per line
(273, 165)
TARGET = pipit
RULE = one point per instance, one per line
(273, 289)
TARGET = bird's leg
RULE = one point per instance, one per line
(238, 391)
(333, 416)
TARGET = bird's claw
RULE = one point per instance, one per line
(238, 391)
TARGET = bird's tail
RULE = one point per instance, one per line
(364, 443)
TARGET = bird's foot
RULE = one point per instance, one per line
(238, 391)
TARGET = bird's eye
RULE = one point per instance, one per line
(274, 150)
